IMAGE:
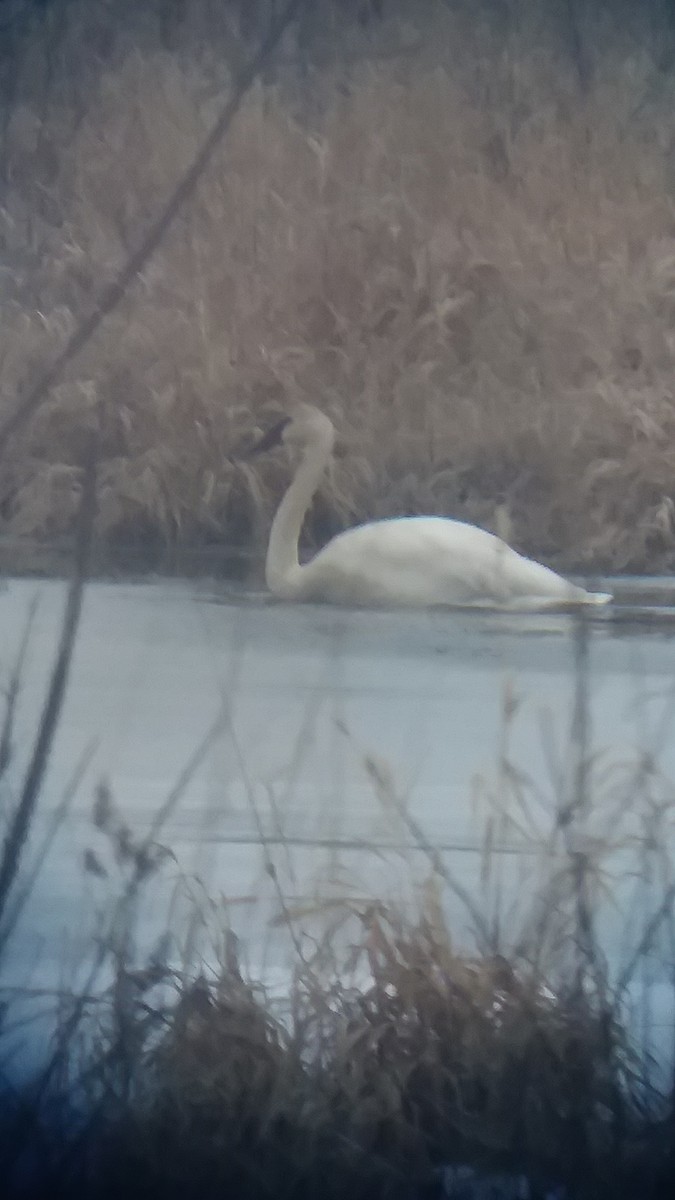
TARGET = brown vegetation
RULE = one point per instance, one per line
(441, 1061)
(454, 238)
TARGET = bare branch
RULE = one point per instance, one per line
(20, 822)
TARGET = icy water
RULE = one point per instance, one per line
(328, 723)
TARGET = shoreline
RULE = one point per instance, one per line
(52, 559)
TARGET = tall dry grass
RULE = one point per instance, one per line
(455, 234)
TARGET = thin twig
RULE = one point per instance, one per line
(24, 892)
(646, 941)
(20, 823)
(12, 694)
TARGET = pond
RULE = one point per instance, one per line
(348, 746)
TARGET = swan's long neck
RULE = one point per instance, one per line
(283, 572)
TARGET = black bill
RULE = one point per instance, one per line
(270, 439)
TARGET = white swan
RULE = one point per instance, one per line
(410, 561)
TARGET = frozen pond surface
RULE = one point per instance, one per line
(306, 695)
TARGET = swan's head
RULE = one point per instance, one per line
(306, 427)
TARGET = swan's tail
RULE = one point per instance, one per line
(571, 601)
(532, 581)
(572, 596)
(597, 598)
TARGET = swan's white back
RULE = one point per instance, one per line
(419, 561)
(411, 561)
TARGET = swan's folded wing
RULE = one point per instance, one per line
(415, 560)
(432, 561)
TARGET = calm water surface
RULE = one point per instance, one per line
(306, 695)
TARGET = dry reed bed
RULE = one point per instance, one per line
(442, 1061)
(465, 257)
(194, 1081)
